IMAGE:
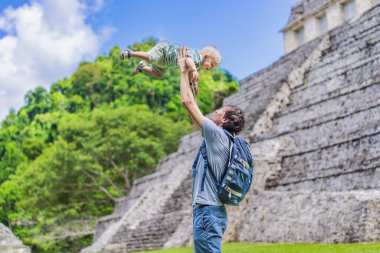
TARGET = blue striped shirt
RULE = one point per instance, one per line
(172, 56)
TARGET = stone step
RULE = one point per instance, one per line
(150, 203)
(285, 64)
(326, 111)
(343, 66)
(311, 217)
(366, 179)
(339, 56)
(14, 249)
(158, 229)
(358, 39)
(150, 234)
(344, 35)
(342, 130)
(175, 216)
(245, 100)
(267, 80)
(122, 247)
(356, 78)
(349, 166)
(343, 63)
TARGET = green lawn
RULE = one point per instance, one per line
(285, 248)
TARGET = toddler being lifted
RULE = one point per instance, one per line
(164, 55)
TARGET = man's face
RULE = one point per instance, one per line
(218, 116)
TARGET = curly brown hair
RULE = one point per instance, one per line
(235, 119)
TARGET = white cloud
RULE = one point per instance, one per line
(44, 41)
(94, 5)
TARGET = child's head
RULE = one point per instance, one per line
(211, 57)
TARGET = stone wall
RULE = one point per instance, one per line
(315, 17)
(9, 243)
(310, 217)
(321, 180)
(313, 124)
(305, 8)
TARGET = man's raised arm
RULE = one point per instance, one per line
(187, 96)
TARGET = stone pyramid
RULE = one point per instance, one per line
(314, 128)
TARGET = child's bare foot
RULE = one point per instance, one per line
(139, 68)
(125, 54)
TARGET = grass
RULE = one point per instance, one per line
(285, 248)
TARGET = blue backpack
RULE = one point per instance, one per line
(238, 174)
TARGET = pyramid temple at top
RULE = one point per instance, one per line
(313, 123)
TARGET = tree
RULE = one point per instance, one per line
(72, 151)
(93, 163)
(37, 102)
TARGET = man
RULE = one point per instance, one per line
(210, 217)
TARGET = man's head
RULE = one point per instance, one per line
(211, 57)
(230, 117)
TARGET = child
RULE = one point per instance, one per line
(165, 55)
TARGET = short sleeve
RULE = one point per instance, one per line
(197, 58)
(211, 132)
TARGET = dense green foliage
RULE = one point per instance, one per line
(72, 151)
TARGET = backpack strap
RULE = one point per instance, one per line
(207, 166)
(232, 138)
(230, 135)
(194, 168)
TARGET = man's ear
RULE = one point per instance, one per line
(223, 121)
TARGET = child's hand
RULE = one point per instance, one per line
(194, 77)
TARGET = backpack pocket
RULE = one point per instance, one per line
(238, 178)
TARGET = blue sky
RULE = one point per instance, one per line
(245, 31)
(42, 41)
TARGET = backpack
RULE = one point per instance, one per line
(238, 174)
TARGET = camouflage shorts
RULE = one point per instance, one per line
(157, 58)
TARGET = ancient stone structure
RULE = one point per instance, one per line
(9, 243)
(312, 18)
(314, 128)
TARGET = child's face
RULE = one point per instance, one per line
(208, 63)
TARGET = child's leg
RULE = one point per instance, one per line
(140, 55)
(129, 53)
(151, 72)
(154, 56)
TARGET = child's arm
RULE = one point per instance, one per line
(191, 65)
(187, 96)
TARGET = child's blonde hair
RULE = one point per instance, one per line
(213, 53)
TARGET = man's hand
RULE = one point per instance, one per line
(182, 54)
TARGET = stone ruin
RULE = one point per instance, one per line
(9, 243)
(314, 128)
